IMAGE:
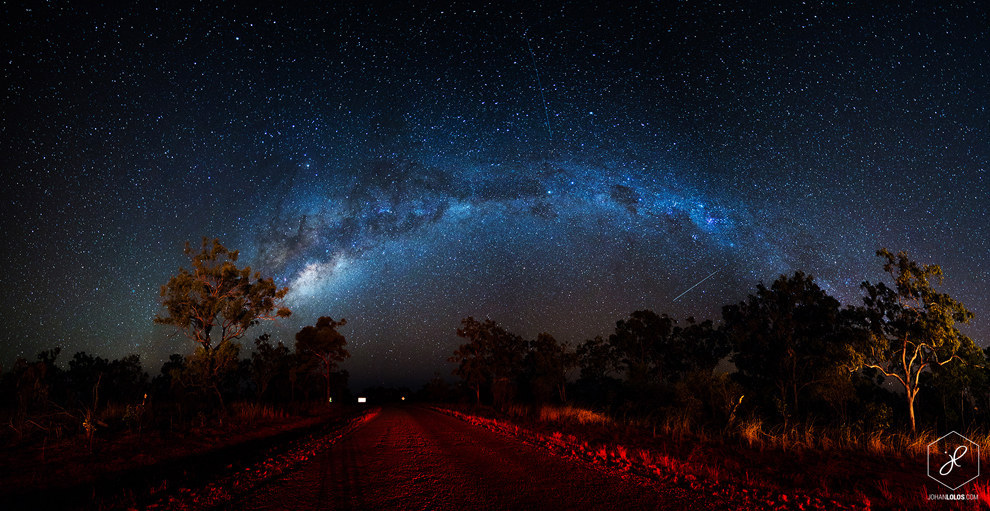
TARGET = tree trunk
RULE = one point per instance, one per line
(216, 388)
(911, 393)
(213, 374)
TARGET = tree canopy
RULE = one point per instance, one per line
(786, 339)
(216, 294)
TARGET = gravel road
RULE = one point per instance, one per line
(417, 458)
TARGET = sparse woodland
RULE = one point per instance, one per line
(789, 354)
(788, 365)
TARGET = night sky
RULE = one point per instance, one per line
(553, 168)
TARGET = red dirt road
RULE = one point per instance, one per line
(416, 458)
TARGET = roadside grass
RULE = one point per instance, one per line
(250, 412)
(801, 466)
(560, 415)
(889, 444)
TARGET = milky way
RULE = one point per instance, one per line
(554, 168)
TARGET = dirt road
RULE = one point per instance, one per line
(416, 458)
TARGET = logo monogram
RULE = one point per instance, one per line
(953, 460)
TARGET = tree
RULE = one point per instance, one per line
(269, 363)
(84, 371)
(471, 368)
(653, 348)
(491, 356)
(36, 382)
(696, 347)
(548, 361)
(123, 380)
(786, 339)
(324, 344)
(127, 381)
(639, 342)
(217, 295)
(912, 327)
(597, 359)
(960, 387)
(598, 365)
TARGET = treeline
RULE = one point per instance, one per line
(93, 393)
(787, 353)
(213, 303)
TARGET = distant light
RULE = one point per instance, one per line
(403, 398)
(362, 400)
(329, 400)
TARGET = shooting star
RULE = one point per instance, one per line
(698, 284)
(536, 70)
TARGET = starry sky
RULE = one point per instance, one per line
(552, 167)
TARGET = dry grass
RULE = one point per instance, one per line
(752, 433)
(558, 414)
(561, 415)
(877, 443)
(768, 466)
(678, 426)
(756, 434)
(254, 412)
(615, 442)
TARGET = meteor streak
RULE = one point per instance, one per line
(696, 285)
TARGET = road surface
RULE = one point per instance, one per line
(416, 458)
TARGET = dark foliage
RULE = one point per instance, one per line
(787, 340)
(789, 352)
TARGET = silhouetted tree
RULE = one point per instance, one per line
(471, 368)
(641, 343)
(598, 364)
(596, 358)
(163, 384)
(324, 344)
(960, 387)
(651, 348)
(491, 356)
(786, 339)
(35, 382)
(126, 380)
(695, 347)
(912, 326)
(84, 371)
(214, 304)
(269, 363)
(547, 363)
(122, 380)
